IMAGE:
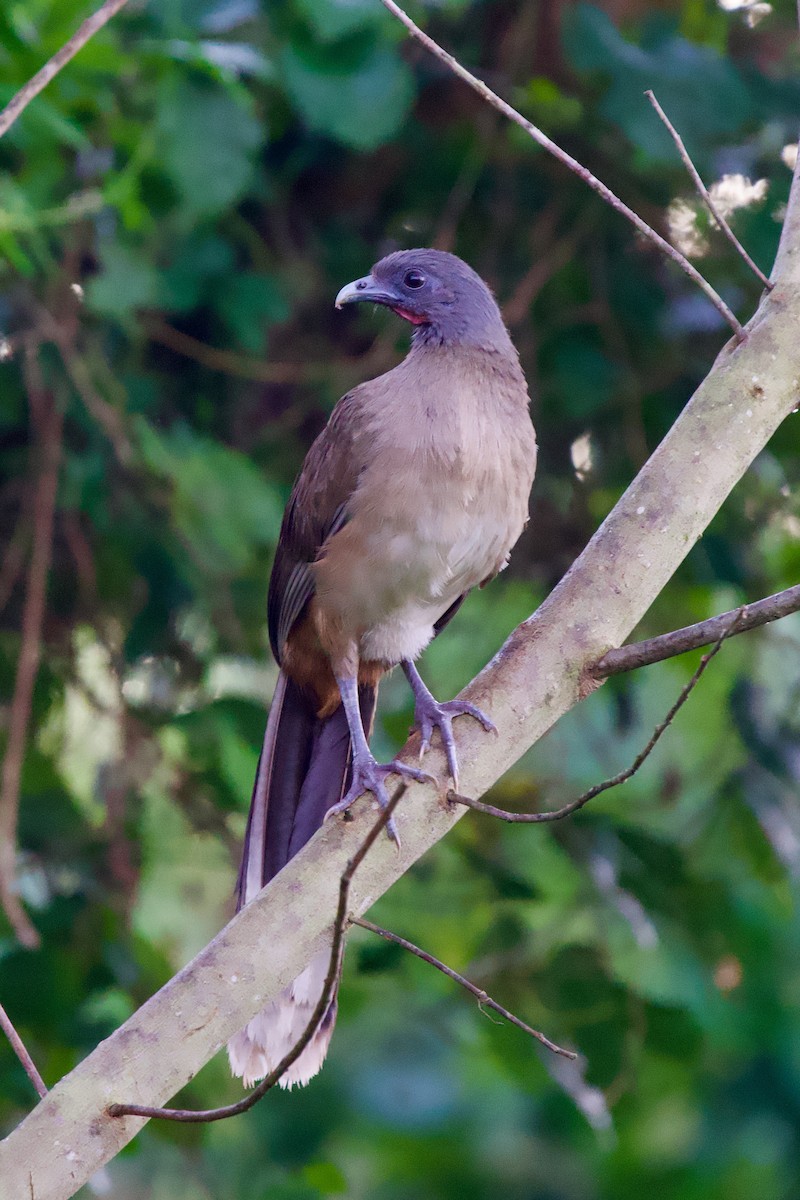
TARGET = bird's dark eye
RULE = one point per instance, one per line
(414, 279)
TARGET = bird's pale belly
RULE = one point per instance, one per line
(407, 574)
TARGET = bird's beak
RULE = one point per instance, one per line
(364, 289)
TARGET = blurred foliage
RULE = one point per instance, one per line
(177, 211)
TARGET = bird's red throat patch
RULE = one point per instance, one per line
(414, 318)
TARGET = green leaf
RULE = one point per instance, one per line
(44, 120)
(221, 505)
(199, 261)
(362, 107)
(667, 972)
(207, 143)
(225, 58)
(326, 1177)
(583, 377)
(126, 282)
(248, 304)
(549, 105)
(702, 93)
(334, 19)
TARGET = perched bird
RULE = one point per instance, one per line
(413, 494)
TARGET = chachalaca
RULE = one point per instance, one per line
(414, 493)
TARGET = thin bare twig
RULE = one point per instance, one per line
(704, 633)
(568, 161)
(479, 994)
(559, 813)
(200, 1116)
(705, 195)
(81, 553)
(542, 269)
(109, 418)
(18, 1046)
(12, 564)
(229, 362)
(48, 421)
(31, 89)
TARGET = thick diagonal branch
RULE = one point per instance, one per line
(203, 1116)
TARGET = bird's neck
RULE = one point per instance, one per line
(462, 367)
(491, 337)
(447, 400)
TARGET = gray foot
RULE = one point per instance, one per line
(430, 715)
(369, 776)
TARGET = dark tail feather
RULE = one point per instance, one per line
(303, 770)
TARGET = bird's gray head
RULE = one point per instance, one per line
(446, 301)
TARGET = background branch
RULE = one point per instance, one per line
(51, 68)
(569, 162)
(484, 1000)
(12, 562)
(63, 334)
(47, 422)
(231, 363)
(691, 637)
(705, 195)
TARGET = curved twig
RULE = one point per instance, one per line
(479, 994)
(203, 1116)
(558, 814)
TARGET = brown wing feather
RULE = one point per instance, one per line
(317, 508)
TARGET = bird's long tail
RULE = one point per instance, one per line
(303, 770)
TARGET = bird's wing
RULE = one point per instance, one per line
(448, 614)
(316, 510)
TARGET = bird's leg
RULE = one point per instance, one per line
(428, 714)
(367, 774)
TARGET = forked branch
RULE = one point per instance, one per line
(558, 814)
(569, 162)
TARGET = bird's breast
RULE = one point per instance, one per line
(432, 517)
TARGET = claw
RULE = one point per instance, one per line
(430, 715)
(368, 776)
